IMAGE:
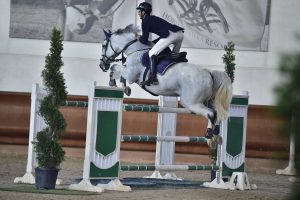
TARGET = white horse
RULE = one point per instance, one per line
(203, 92)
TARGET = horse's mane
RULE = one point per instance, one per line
(128, 29)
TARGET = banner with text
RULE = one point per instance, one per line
(213, 23)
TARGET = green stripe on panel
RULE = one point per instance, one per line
(107, 127)
(235, 136)
(239, 101)
(109, 93)
(112, 172)
(226, 171)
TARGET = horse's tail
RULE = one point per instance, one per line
(223, 93)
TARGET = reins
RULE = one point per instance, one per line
(112, 58)
(123, 59)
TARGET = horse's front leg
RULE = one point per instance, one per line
(127, 89)
(112, 81)
(116, 73)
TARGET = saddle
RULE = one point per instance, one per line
(167, 54)
(165, 60)
(174, 57)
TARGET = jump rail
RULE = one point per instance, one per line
(105, 107)
(168, 167)
(148, 138)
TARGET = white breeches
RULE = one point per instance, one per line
(173, 38)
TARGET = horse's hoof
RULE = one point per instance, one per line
(218, 139)
(127, 91)
(212, 144)
(216, 130)
(112, 83)
(209, 133)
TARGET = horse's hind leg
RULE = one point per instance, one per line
(213, 133)
(216, 137)
(211, 115)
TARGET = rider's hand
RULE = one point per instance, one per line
(138, 37)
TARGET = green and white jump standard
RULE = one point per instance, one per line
(232, 150)
(103, 135)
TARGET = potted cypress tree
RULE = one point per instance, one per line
(49, 152)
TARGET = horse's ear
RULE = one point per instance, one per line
(107, 34)
(129, 27)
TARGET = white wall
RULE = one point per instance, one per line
(21, 60)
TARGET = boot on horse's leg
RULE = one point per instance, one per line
(212, 119)
(152, 79)
(216, 134)
(213, 134)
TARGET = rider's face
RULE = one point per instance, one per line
(141, 14)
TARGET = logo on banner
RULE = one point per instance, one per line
(202, 15)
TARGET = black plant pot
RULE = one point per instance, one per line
(212, 175)
(45, 178)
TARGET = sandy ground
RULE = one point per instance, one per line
(260, 171)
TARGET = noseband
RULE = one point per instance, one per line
(107, 60)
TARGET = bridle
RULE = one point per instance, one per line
(108, 60)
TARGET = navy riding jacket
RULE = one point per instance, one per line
(158, 26)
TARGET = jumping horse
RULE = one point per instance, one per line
(203, 92)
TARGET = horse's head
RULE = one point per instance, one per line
(114, 44)
(108, 53)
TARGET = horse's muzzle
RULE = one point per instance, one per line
(104, 66)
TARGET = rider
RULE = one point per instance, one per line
(168, 34)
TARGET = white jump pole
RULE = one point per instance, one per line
(166, 126)
(290, 170)
(36, 124)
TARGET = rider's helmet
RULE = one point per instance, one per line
(145, 6)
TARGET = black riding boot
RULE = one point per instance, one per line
(152, 78)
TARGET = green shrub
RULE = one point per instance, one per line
(48, 149)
